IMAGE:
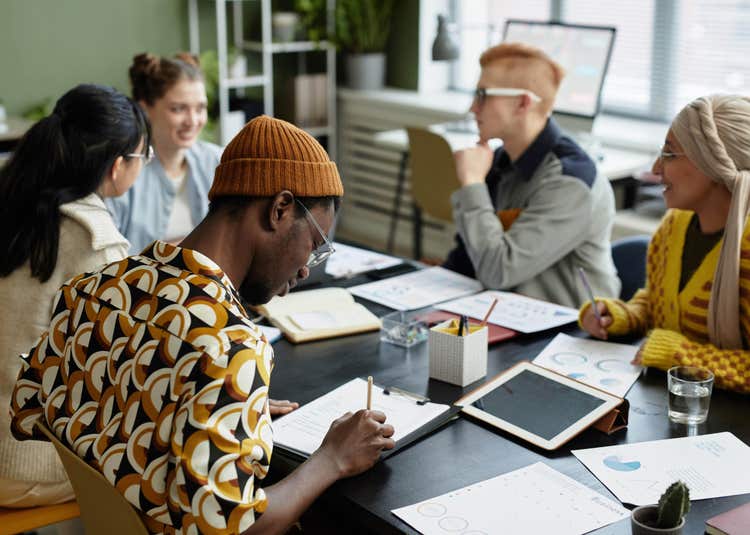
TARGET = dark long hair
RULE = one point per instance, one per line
(62, 158)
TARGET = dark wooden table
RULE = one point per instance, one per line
(464, 451)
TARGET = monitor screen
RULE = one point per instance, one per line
(583, 51)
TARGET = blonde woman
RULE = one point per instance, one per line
(695, 308)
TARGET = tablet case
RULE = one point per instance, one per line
(611, 422)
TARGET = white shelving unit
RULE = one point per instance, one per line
(267, 48)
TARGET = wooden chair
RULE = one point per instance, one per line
(31, 518)
(103, 509)
(433, 179)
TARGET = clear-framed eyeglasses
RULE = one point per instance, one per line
(147, 156)
(665, 155)
(481, 93)
(326, 249)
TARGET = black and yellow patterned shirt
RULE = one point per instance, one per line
(153, 374)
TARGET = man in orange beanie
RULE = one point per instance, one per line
(154, 374)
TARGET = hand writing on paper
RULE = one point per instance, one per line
(473, 164)
(592, 325)
(281, 407)
(354, 441)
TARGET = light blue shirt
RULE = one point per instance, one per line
(142, 214)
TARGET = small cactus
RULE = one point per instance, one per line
(673, 505)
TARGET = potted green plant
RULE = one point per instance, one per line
(362, 29)
(666, 518)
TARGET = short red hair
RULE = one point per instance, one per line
(526, 67)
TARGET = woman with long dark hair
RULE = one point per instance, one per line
(54, 225)
(171, 196)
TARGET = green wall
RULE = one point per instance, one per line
(403, 45)
(48, 46)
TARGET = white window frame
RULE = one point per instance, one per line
(663, 58)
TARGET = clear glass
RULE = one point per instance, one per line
(689, 394)
(402, 329)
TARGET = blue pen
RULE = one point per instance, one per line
(586, 285)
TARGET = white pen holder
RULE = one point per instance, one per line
(458, 360)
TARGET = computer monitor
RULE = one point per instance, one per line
(584, 52)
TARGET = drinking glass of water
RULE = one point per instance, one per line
(689, 394)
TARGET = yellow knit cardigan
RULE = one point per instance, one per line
(677, 321)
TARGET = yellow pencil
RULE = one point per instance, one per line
(369, 392)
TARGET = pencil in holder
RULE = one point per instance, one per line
(459, 360)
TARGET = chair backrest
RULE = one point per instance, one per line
(629, 256)
(433, 173)
(31, 518)
(103, 508)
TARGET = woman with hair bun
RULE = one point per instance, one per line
(54, 225)
(171, 196)
(695, 308)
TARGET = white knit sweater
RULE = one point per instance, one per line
(88, 239)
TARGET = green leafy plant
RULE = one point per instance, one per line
(41, 110)
(363, 26)
(313, 18)
(673, 505)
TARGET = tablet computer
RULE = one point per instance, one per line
(538, 405)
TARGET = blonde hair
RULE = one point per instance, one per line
(714, 132)
(527, 67)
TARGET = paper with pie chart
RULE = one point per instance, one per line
(603, 365)
(533, 499)
(639, 473)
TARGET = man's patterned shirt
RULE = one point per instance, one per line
(152, 373)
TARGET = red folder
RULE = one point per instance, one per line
(495, 333)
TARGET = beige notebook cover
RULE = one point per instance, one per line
(319, 314)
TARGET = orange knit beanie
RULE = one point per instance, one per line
(270, 155)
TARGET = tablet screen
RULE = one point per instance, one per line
(537, 404)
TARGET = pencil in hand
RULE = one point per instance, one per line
(369, 392)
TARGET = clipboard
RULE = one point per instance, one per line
(296, 437)
(544, 407)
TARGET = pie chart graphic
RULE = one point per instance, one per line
(616, 463)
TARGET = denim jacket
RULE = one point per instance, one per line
(142, 214)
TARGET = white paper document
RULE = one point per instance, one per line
(603, 365)
(350, 261)
(303, 430)
(417, 289)
(711, 466)
(534, 499)
(272, 333)
(517, 312)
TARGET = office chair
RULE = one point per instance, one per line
(103, 508)
(629, 256)
(32, 518)
(433, 179)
